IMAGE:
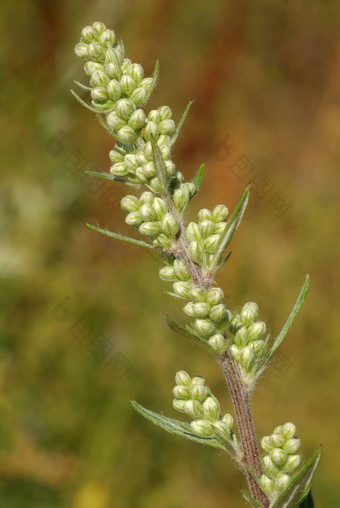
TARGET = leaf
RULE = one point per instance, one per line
(232, 226)
(83, 103)
(197, 180)
(301, 298)
(186, 332)
(299, 486)
(155, 75)
(102, 122)
(107, 176)
(174, 426)
(159, 164)
(180, 124)
(120, 237)
(250, 499)
(226, 259)
(307, 501)
(84, 87)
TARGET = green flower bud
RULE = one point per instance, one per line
(204, 214)
(168, 274)
(124, 108)
(197, 380)
(256, 330)
(99, 94)
(266, 443)
(147, 198)
(166, 126)
(206, 228)
(160, 207)
(211, 244)
(151, 131)
(88, 34)
(288, 430)
(107, 37)
(99, 27)
(133, 219)
(148, 151)
(218, 343)
(140, 175)
(292, 463)
(137, 119)
(217, 312)
(114, 121)
(119, 169)
(182, 289)
(193, 408)
(170, 225)
(215, 296)
(228, 420)
(247, 357)
(277, 440)
(269, 466)
(154, 116)
(81, 50)
(278, 456)
(130, 203)
(236, 352)
(96, 51)
(196, 252)
(291, 446)
(139, 96)
(189, 309)
(202, 428)
(99, 78)
(150, 228)
(181, 270)
(221, 428)
(165, 112)
(193, 232)
(116, 156)
(113, 70)
(257, 345)
(241, 337)
(181, 197)
(91, 67)
(181, 392)
(211, 409)
(126, 135)
(281, 482)
(128, 84)
(163, 242)
(156, 185)
(148, 213)
(220, 228)
(197, 295)
(199, 392)
(114, 90)
(278, 430)
(204, 326)
(219, 213)
(136, 72)
(248, 313)
(183, 378)
(267, 484)
(201, 309)
(125, 65)
(130, 161)
(179, 405)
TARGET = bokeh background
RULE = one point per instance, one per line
(83, 316)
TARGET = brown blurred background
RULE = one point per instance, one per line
(83, 322)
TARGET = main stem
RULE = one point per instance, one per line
(240, 399)
(238, 391)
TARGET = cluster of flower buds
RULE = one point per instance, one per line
(118, 86)
(151, 216)
(248, 336)
(211, 315)
(193, 397)
(205, 236)
(281, 461)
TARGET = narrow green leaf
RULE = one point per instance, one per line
(174, 426)
(186, 332)
(306, 500)
(301, 298)
(83, 103)
(197, 180)
(250, 499)
(180, 124)
(155, 75)
(226, 259)
(232, 226)
(102, 122)
(120, 237)
(298, 487)
(84, 87)
(107, 176)
(159, 164)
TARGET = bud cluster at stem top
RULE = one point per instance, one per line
(281, 461)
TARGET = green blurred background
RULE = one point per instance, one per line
(83, 317)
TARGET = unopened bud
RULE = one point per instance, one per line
(201, 309)
(257, 345)
(256, 330)
(199, 392)
(114, 121)
(137, 119)
(99, 27)
(166, 126)
(267, 444)
(228, 420)
(130, 203)
(136, 72)
(215, 296)
(170, 225)
(165, 112)
(147, 197)
(167, 273)
(211, 409)
(241, 337)
(221, 428)
(91, 67)
(211, 244)
(181, 197)
(193, 232)
(193, 408)
(292, 463)
(81, 50)
(160, 207)
(182, 289)
(269, 466)
(107, 37)
(128, 84)
(179, 405)
(96, 51)
(204, 214)
(219, 213)
(248, 313)
(202, 428)
(181, 270)
(126, 135)
(267, 484)
(196, 252)
(133, 219)
(183, 378)
(218, 343)
(88, 34)
(181, 392)
(277, 440)
(139, 96)
(114, 90)
(204, 326)
(147, 213)
(150, 228)
(282, 481)
(288, 430)
(217, 313)
(119, 169)
(99, 78)
(278, 456)
(291, 446)
(124, 108)
(236, 352)
(247, 357)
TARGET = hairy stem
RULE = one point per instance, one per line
(240, 399)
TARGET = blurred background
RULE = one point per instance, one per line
(83, 316)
